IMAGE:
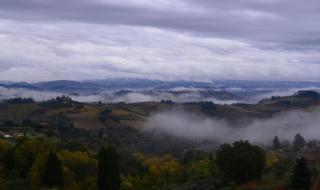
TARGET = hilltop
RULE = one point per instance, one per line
(86, 115)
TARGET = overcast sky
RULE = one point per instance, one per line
(159, 39)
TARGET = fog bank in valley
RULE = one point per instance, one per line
(8, 93)
(179, 95)
(179, 123)
(111, 97)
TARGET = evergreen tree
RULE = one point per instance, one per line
(299, 142)
(301, 177)
(108, 170)
(2, 178)
(241, 161)
(53, 176)
(276, 143)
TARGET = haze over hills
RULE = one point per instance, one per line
(144, 90)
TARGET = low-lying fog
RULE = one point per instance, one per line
(182, 124)
(192, 95)
(111, 97)
(179, 123)
(6, 93)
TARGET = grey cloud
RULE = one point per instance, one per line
(164, 39)
(290, 22)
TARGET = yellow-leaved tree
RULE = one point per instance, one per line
(272, 158)
(81, 169)
(162, 171)
(35, 174)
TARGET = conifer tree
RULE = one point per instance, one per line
(276, 143)
(108, 171)
(240, 161)
(301, 177)
(53, 175)
(299, 142)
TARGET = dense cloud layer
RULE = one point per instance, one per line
(285, 125)
(163, 39)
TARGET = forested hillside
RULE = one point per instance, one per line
(64, 144)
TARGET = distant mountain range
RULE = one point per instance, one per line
(94, 86)
(131, 90)
(91, 86)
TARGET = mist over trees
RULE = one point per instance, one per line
(183, 124)
(276, 143)
(299, 142)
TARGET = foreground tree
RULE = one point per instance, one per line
(301, 177)
(2, 178)
(299, 142)
(241, 161)
(108, 170)
(53, 176)
(276, 143)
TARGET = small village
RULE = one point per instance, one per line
(14, 132)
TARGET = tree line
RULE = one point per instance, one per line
(36, 163)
